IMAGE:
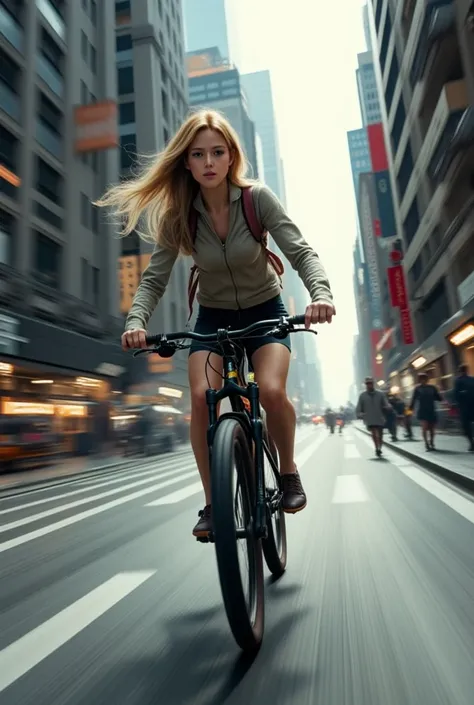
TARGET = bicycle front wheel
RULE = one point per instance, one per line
(238, 551)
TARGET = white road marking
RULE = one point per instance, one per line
(45, 530)
(306, 454)
(87, 500)
(177, 496)
(460, 504)
(157, 470)
(350, 451)
(28, 651)
(349, 489)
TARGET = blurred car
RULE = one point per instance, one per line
(147, 430)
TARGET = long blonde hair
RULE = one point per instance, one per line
(160, 196)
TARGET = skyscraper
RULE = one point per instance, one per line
(206, 26)
(258, 90)
(367, 88)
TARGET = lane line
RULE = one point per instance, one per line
(177, 496)
(349, 489)
(49, 529)
(27, 652)
(87, 500)
(103, 483)
(463, 506)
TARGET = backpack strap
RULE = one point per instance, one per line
(192, 288)
(258, 231)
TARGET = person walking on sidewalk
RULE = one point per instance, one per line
(426, 395)
(373, 407)
(464, 396)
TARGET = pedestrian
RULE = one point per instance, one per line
(426, 395)
(464, 397)
(373, 407)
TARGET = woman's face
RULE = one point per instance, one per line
(209, 158)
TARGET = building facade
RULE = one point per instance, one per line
(59, 317)
(152, 103)
(426, 77)
(367, 89)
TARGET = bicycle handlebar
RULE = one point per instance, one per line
(285, 321)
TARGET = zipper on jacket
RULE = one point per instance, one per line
(231, 275)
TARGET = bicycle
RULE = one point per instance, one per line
(242, 457)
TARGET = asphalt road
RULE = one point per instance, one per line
(106, 598)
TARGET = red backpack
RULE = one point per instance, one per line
(256, 229)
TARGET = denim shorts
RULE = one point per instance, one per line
(209, 320)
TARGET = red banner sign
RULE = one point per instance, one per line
(406, 327)
(397, 288)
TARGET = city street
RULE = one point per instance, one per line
(106, 598)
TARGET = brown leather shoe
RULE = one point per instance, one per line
(204, 526)
(294, 497)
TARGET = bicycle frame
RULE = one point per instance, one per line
(252, 422)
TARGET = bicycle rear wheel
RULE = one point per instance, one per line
(274, 546)
(233, 493)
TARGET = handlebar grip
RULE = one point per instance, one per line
(298, 320)
(153, 339)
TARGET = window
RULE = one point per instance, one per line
(85, 286)
(95, 286)
(51, 51)
(7, 234)
(126, 113)
(230, 82)
(47, 261)
(93, 58)
(84, 93)
(49, 114)
(94, 12)
(8, 149)
(125, 80)
(84, 45)
(48, 216)
(123, 43)
(9, 72)
(128, 151)
(49, 182)
(166, 135)
(165, 104)
(85, 210)
(122, 13)
(95, 218)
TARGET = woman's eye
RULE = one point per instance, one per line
(196, 154)
(219, 152)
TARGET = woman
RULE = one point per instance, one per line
(426, 395)
(204, 167)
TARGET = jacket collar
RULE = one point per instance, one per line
(234, 191)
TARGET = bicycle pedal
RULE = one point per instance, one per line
(205, 539)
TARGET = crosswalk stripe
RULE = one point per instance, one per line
(349, 489)
(28, 651)
(99, 483)
(45, 530)
(177, 496)
(87, 500)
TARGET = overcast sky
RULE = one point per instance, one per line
(311, 51)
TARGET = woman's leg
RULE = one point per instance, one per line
(424, 430)
(200, 419)
(432, 429)
(271, 363)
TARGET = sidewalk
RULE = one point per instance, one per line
(451, 459)
(62, 469)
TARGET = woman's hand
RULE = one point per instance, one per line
(319, 312)
(134, 339)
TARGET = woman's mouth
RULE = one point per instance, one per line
(210, 174)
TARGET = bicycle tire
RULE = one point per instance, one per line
(275, 544)
(230, 453)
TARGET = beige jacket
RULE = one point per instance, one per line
(234, 274)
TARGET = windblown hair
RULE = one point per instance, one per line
(160, 196)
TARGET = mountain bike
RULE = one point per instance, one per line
(245, 479)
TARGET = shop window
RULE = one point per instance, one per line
(47, 262)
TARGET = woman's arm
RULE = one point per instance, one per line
(152, 286)
(291, 242)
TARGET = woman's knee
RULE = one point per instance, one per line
(272, 396)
